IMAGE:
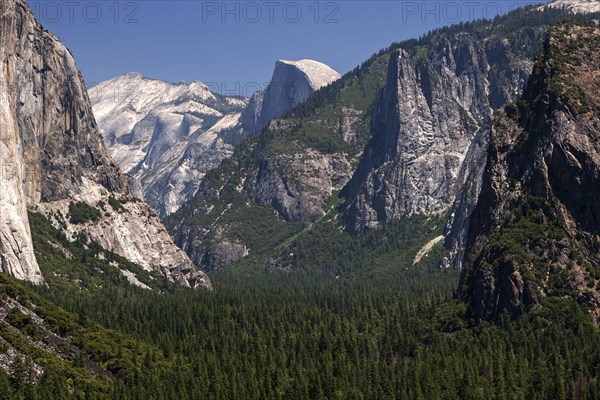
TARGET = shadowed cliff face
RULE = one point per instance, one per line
(45, 93)
(51, 151)
(534, 232)
(50, 147)
(423, 125)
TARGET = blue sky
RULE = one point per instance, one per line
(233, 45)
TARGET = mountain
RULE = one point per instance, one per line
(292, 83)
(168, 136)
(577, 6)
(402, 136)
(434, 109)
(165, 135)
(54, 161)
(534, 233)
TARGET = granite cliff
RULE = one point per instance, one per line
(292, 83)
(52, 153)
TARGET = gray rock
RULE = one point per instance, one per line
(430, 130)
(291, 84)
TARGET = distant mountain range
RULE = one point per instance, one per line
(168, 136)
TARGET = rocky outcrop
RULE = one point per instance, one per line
(51, 150)
(534, 232)
(297, 185)
(130, 229)
(165, 135)
(259, 190)
(291, 84)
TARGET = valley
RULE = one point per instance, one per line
(423, 226)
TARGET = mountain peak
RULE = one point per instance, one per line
(317, 73)
(132, 75)
(292, 83)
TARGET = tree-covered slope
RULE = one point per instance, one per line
(329, 333)
(293, 335)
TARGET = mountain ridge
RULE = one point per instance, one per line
(336, 125)
(168, 136)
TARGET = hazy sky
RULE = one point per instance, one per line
(233, 45)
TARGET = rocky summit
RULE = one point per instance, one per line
(534, 232)
(53, 156)
(291, 84)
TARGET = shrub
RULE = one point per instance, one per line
(116, 204)
(82, 212)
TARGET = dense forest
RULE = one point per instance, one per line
(290, 335)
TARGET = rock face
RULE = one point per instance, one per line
(430, 129)
(291, 84)
(534, 232)
(166, 136)
(251, 192)
(297, 186)
(51, 150)
(131, 229)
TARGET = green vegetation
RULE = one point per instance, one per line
(80, 213)
(82, 362)
(326, 248)
(326, 331)
(116, 204)
(297, 336)
(22, 322)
